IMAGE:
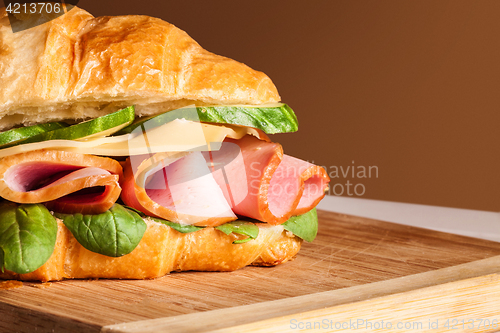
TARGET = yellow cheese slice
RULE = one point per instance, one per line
(179, 135)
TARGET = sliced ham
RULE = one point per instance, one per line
(183, 191)
(66, 182)
(276, 186)
(247, 177)
(296, 180)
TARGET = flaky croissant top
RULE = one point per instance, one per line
(78, 67)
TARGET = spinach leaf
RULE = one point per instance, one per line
(28, 236)
(184, 228)
(114, 233)
(238, 227)
(242, 228)
(135, 210)
(304, 226)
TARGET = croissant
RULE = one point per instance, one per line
(79, 67)
(163, 250)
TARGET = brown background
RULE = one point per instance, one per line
(411, 87)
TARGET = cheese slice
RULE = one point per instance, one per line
(179, 135)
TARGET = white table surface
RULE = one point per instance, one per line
(473, 223)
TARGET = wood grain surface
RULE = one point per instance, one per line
(349, 252)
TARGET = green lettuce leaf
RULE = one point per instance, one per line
(237, 227)
(304, 226)
(114, 233)
(28, 236)
(242, 228)
(184, 228)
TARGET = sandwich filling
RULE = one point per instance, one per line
(184, 174)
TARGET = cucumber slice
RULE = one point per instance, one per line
(272, 118)
(17, 135)
(98, 127)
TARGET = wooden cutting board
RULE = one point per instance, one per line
(358, 271)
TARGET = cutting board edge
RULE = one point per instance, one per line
(219, 319)
(44, 322)
(459, 305)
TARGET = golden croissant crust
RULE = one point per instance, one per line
(163, 250)
(77, 67)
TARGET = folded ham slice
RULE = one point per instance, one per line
(247, 177)
(279, 186)
(182, 191)
(66, 182)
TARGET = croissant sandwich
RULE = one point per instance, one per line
(128, 151)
